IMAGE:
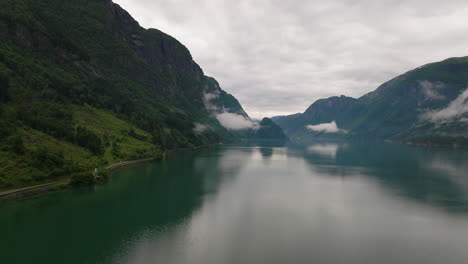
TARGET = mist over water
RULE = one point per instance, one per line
(323, 203)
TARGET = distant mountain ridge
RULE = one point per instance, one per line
(398, 110)
(268, 130)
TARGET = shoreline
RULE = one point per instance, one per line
(30, 191)
(124, 164)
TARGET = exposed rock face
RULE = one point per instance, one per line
(125, 20)
(109, 61)
(84, 74)
(96, 53)
(164, 56)
(218, 101)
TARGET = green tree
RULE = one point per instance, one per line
(17, 145)
(88, 139)
(4, 88)
(82, 179)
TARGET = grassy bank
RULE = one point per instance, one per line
(61, 184)
(64, 182)
(42, 158)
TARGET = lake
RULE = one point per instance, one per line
(323, 203)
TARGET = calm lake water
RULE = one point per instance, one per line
(326, 203)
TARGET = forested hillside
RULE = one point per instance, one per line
(427, 105)
(82, 85)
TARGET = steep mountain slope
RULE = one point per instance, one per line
(268, 130)
(284, 118)
(401, 109)
(83, 85)
(301, 127)
(402, 102)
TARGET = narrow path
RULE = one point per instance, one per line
(118, 164)
(122, 163)
(30, 187)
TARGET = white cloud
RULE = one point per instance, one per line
(211, 96)
(227, 119)
(235, 121)
(431, 89)
(199, 128)
(208, 105)
(326, 127)
(454, 111)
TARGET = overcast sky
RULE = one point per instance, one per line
(277, 57)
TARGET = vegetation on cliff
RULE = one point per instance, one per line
(427, 105)
(83, 85)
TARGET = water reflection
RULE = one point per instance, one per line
(87, 225)
(434, 176)
(295, 210)
(323, 203)
(452, 164)
(327, 150)
(266, 152)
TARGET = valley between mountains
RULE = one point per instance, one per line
(83, 85)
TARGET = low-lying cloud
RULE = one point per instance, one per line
(210, 106)
(431, 89)
(455, 111)
(199, 128)
(235, 121)
(326, 127)
(227, 119)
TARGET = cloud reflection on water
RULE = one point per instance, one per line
(295, 210)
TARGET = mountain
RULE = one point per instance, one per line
(287, 122)
(268, 130)
(426, 105)
(83, 85)
(305, 126)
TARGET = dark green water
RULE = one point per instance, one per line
(326, 203)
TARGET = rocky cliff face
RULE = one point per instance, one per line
(77, 71)
(144, 74)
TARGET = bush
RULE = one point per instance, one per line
(5, 130)
(50, 118)
(116, 150)
(102, 175)
(87, 139)
(4, 88)
(47, 159)
(158, 154)
(82, 179)
(16, 145)
(133, 134)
